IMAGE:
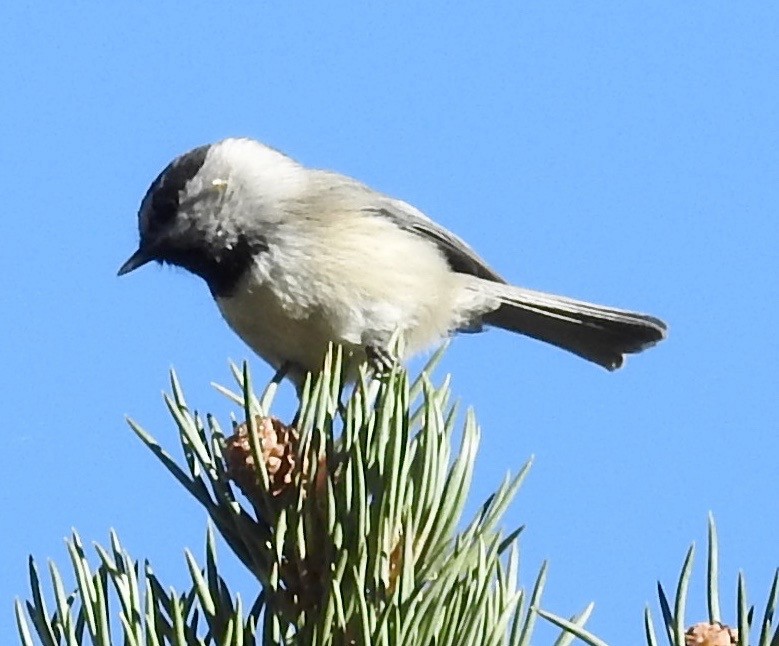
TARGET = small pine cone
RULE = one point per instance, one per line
(716, 634)
(302, 579)
(279, 444)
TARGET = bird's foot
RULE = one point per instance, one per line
(380, 359)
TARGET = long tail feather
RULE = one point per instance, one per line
(597, 333)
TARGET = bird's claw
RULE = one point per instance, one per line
(380, 359)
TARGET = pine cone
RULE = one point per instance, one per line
(279, 444)
(716, 634)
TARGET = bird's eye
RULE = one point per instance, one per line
(164, 208)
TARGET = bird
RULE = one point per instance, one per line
(296, 258)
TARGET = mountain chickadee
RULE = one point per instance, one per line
(296, 258)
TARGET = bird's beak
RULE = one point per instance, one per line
(138, 259)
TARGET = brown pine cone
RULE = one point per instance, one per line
(279, 444)
(716, 634)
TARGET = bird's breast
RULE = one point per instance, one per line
(276, 325)
(356, 288)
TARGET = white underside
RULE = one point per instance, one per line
(356, 287)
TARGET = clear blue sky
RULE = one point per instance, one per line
(621, 152)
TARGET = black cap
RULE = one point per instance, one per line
(163, 201)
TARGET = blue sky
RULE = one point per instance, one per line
(620, 152)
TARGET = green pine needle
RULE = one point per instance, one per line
(359, 543)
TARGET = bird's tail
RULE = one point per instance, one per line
(597, 333)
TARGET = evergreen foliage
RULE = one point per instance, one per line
(359, 538)
(350, 519)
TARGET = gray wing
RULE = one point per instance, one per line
(458, 253)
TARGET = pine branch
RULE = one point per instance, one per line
(348, 519)
(713, 632)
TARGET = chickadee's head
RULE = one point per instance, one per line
(208, 209)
